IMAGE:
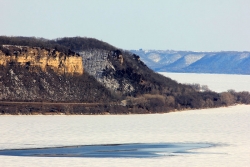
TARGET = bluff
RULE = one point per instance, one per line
(224, 62)
(141, 88)
(35, 57)
(87, 76)
(46, 75)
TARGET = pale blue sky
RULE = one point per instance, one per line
(199, 25)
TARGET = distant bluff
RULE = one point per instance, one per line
(224, 62)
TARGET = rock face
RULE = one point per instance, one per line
(100, 64)
(31, 58)
(35, 74)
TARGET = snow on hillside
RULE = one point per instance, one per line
(227, 62)
(154, 57)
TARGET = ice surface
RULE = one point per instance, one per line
(227, 127)
(215, 82)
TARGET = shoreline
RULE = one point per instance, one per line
(44, 113)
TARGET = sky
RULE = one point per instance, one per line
(193, 25)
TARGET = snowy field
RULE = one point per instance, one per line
(228, 128)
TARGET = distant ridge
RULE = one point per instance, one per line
(224, 62)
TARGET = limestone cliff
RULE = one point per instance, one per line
(38, 74)
(32, 57)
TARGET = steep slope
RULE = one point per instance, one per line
(35, 74)
(142, 89)
(224, 62)
(183, 62)
(121, 71)
(197, 62)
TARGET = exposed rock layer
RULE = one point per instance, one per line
(36, 74)
(43, 58)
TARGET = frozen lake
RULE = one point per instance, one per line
(215, 82)
(228, 128)
(222, 132)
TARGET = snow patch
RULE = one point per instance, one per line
(154, 57)
(244, 55)
(193, 58)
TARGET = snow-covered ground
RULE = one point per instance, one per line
(226, 127)
(215, 82)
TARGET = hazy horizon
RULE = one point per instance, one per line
(207, 25)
